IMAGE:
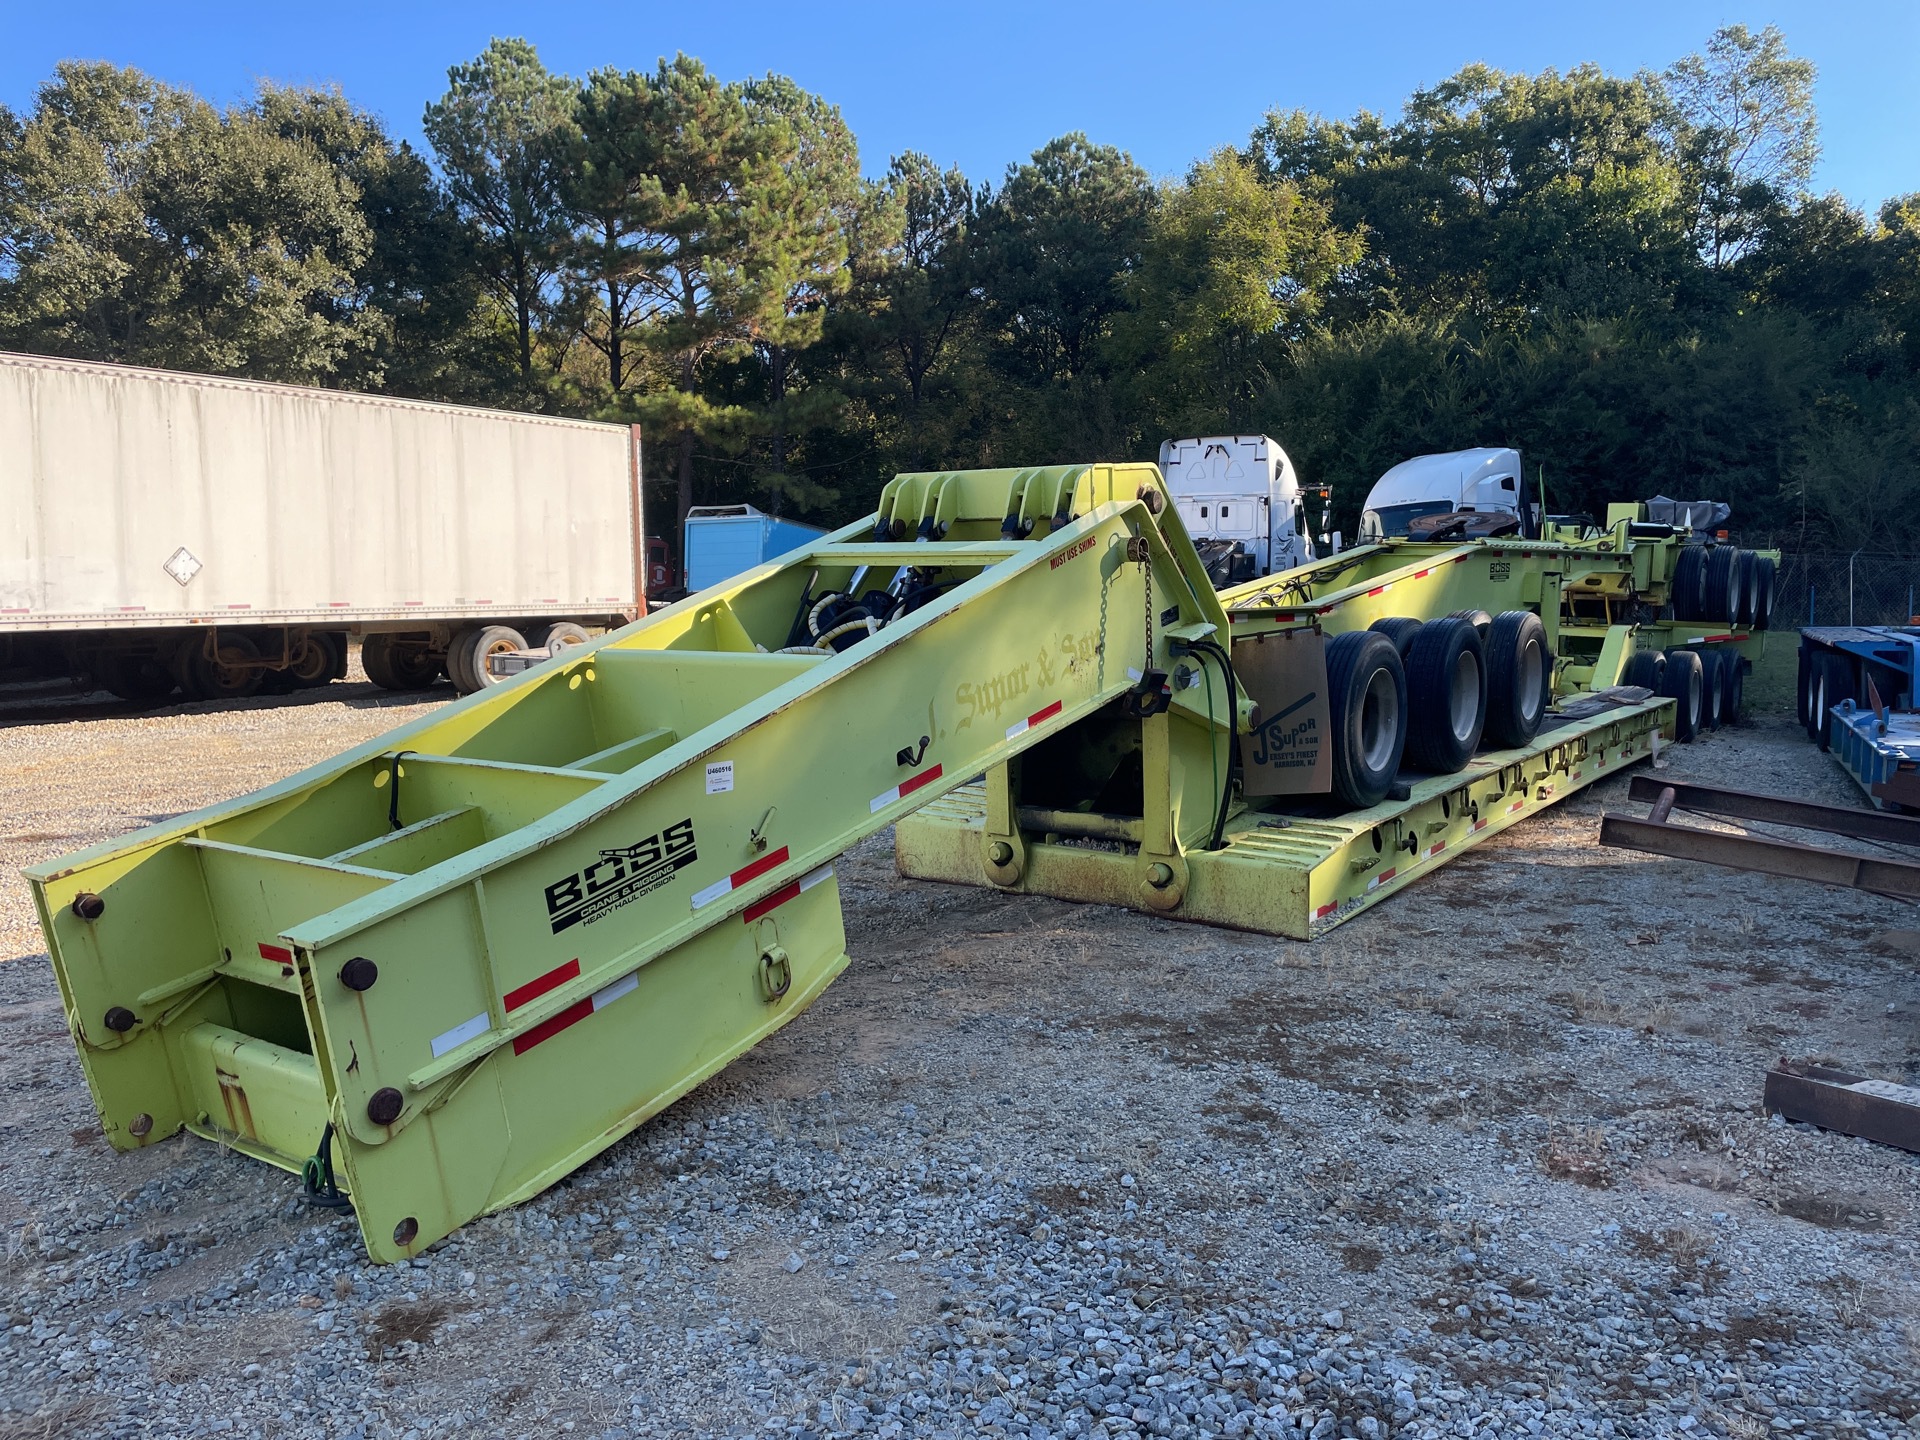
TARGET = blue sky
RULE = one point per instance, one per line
(982, 84)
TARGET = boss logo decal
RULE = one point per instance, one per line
(619, 876)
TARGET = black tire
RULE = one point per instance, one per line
(230, 673)
(1723, 566)
(1688, 582)
(278, 682)
(1644, 668)
(376, 657)
(1834, 681)
(1712, 687)
(1733, 689)
(1803, 690)
(459, 654)
(1684, 684)
(1479, 619)
(133, 677)
(491, 640)
(1519, 678)
(1765, 573)
(414, 662)
(1446, 695)
(332, 666)
(1746, 587)
(1400, 629)
(1367, 704)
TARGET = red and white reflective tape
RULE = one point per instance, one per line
(1421, 574)
(1516, 807)
(478, 1025)
(1382, 878)
(1039, 717)
(1478, 826)
(278, 954)
(720, 889)
(1434, 849)
(576, 1012)
(1576, 774)
(902, 790)
(789, 891)
(1377, 590)
(1326, 910)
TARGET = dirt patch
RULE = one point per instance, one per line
(1832, 1209)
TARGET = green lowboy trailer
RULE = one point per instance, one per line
(436, 973)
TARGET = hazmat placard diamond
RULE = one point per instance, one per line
(182, 565)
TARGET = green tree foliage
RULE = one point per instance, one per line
(502, 134)
(142, 225)
(1625, 276)
(1232, 270)
(1742, 120)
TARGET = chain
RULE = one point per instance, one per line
(1146, 570)
(1139, 550)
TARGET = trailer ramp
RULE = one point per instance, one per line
(445, 968)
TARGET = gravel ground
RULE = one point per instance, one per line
(1487, 1161)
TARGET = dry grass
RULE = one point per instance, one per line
(1580, 1156)
(406, 1322)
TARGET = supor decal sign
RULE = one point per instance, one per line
(1285, 674)
(620, 875)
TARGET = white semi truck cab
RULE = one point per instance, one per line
(1241, 502)
(1486, 481)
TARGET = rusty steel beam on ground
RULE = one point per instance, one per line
(1780, 810)
(1851, 1104)
(1898, 878)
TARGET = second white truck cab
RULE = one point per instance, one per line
(1241, 502)
(1486, 480)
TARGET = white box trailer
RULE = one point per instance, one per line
(162, 529)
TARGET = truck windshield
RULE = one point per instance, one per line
(1392, 520)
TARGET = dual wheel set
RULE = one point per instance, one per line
(1427, 693)
(1724, 585)
(223, 665)
(410, 660)
(1708, 686)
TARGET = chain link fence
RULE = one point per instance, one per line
(1859, 589)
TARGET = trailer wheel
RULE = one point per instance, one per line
(1803, 689)
(132, 676)
(488, 641)
(1645, 669)
(1519, 677)
(1733, 691)
(1833, 681)
(1479, 619)
(1764, 574)
(1746, 587)
(1688, 582)
(1400, 629)
(416, 667)
(1712, 688)
(564, 635)
(1683, 683)
(232, 672)
(1722, 577)
(1367, 695)
(376, 655)
(459, 653)
(1446, 695)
